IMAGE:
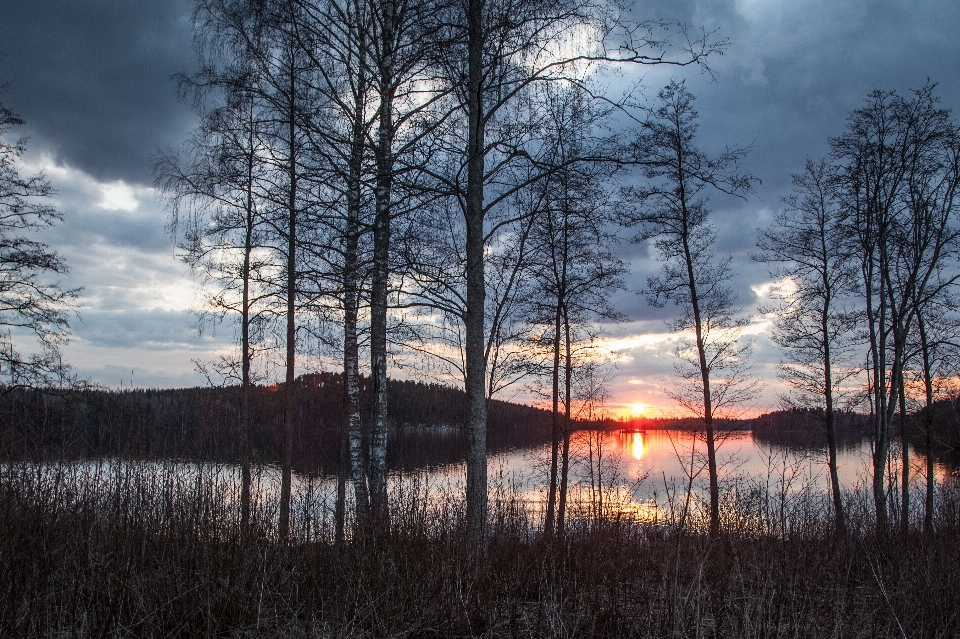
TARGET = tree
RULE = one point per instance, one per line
(814, 326)
(934, 342)
(672, 211)
(381, 53)
(927, 250)
(406, 41)
(500, 51)
(32, 302)
(896, 174)
(260, 34)
(335, 36)
(215, 194)
(573, 267)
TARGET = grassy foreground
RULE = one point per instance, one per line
(134, 553)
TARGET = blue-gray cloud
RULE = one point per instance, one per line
(149, 329)
(92, 79)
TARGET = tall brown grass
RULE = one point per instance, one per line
(127, 549)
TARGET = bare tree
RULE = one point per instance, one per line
(261, 34)
(814, 324)
(573, 265)
(897, 168)
(672, 211)
(382, 54)
(32, 302)
(335, 36)
(247, 51)
(499, 51)
(214, 194)
(934, 343)
(405, 41)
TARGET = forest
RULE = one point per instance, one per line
(438, 190)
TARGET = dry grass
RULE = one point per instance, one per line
(139, 552)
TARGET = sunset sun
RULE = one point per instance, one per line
(637, 409)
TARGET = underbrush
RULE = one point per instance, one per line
(133, 551)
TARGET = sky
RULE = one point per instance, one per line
(93, 80)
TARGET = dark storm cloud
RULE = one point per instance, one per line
(791, 75)
(92, 79)
(795, 70)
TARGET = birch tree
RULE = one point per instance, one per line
(672, 211)
(500, 50)
(814, 322)
(335, 36)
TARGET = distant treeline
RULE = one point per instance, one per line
(202, 423)
(806, 428)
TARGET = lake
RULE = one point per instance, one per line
(645, 475)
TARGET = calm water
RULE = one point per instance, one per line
(642, 470)
(637, 473)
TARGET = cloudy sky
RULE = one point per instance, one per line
(92, 78)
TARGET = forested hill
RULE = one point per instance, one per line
(202, 423)
(799, 428)
(807, 428)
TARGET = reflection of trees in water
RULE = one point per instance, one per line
(946, 431)
(511, 426)
(799, 430)
(202, 424)
(805, 430)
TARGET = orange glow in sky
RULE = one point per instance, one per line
(634, 410)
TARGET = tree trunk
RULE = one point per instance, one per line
(905, 452)
(548, 526)
(927, 422)
(245, 476)
(476, 286)
(565, 455)
(830, 416)
(880, 431)
(705, 381)
(351, 377)
(381, 273)
(340, 512)
(351, 357)
(290, 402)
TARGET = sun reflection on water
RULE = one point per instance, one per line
(637, 447)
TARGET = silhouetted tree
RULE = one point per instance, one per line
(813, 322)
(672, 211)
(215, 197)
(935, 347)
(336, 37)
(32, 302)
(500, 51)
(574, 269)
(897, 172)
(260, 33)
